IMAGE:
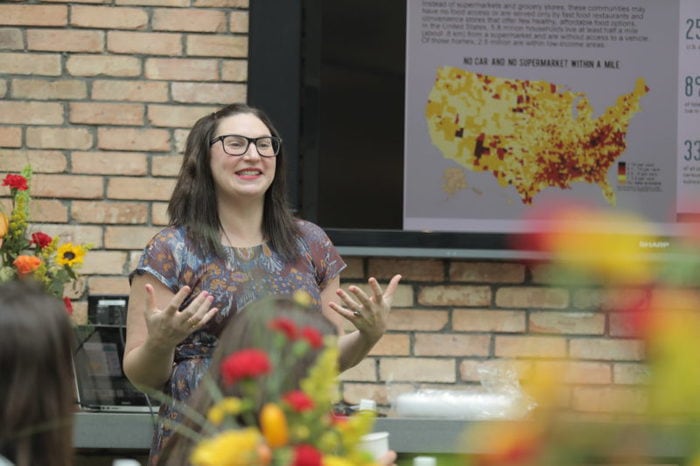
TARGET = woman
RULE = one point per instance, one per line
(231, 241)
(36, 381)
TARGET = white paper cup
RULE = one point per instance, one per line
(376, 444)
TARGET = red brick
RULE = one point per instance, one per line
(176, 116)
(91, 113)
(135, 91)
(234, 70)
(610, 400)
(3, 87)
(108, 17)
(104, 263)
(48, 210)
(59, 138)
(423, 270)
(42, 161)
(110, 163)
(43, 89)
(191, 20)
(61, 40)
(392, 344)
(533, 297)
(182, 69)
(117, 285)
(10, 136)
(418, 320)
(530, 347)
(418, 369)
(147, 43)
(403, 296)
(175, 3)
(34, 15)
(159, 214)
(631, 373)
(37, 64)
(213, 93)
(140, 188)
(181, 140)
(11, 39)
(354, 270)
(454, 295)
(83, 234)
(221, 3)
(133, 139)
(485, 320)
(354, 392)
(580, 323)
(577, 372)
(487, 272)
(99, 65)
(606, 349)
(451, 344)
(217, 45)
(477, 370)
(67, 186)
(110, 212)
(125, 237)
(238, 22)
(365, 371)
(31, 113)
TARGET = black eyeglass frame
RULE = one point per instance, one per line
(248, 141)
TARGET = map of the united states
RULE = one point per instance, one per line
(530, 135)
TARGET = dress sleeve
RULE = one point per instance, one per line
(325, 257)
(161, 258)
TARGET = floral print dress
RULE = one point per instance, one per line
(243, 276)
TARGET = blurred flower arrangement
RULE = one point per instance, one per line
(292, 428)
(36, 254)
(659, 305)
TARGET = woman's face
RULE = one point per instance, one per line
(246, 176)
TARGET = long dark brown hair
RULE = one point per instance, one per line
(193, 202)
(247, 329)
(36, 381)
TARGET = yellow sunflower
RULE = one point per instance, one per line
(70, 254)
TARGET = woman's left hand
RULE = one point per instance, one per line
(368, 313)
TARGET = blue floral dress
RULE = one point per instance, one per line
(243, 276)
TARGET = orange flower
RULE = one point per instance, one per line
(26, 264)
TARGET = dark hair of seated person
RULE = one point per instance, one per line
(248, 329)
(37, 390)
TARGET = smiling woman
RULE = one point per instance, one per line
(232, 240)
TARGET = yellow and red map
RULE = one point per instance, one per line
(529, 134)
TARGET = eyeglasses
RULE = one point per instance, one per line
(234, 144)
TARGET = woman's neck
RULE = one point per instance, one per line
(241, 225)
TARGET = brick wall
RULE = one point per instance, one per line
(98, 96)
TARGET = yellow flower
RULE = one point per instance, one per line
(230, 448)
(335, 461)
(70, 255)
(273, 423)
(4, 224)
(229, 405)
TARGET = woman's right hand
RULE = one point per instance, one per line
(169, 326)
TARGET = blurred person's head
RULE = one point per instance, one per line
(37, 390)
(250, 329)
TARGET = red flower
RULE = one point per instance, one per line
(307, 455)
(69, 305)
(313, 336)
(286, 326)
(244, 364)
(17, 182)
(41, 239)
(299, 401)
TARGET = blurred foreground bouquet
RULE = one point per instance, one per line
(654, 298)
(25, 253)
(269, 423)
